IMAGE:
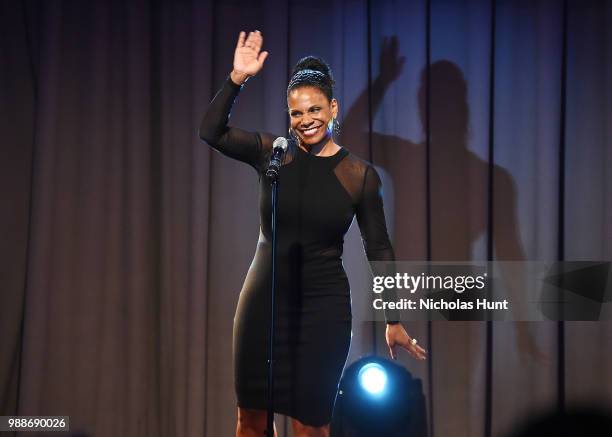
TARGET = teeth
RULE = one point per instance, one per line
(310, 131)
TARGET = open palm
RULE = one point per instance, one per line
(248, 58)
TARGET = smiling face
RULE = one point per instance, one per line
(311, 114)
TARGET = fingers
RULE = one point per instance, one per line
(241, 39)
(416, 350)
(254, 41)
(392, 352)
(391, 345)
(262, 57)
(257, 40)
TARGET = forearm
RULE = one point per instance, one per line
(233, 142)
(372, 224)
(382, 263)
(214, 123)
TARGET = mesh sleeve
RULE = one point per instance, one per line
(245, 146)
(371, 219)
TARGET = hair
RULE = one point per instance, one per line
(315, 72)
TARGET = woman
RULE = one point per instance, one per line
(322, 186)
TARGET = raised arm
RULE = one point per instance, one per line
(371, 219)
(236, 143)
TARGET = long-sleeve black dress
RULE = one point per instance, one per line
(318, 198)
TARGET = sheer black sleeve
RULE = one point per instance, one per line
(371, 219)
(249, 147)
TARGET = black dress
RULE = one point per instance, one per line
(318, 198)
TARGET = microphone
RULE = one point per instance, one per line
(278, 149)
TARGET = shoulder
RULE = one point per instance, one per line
(362, 168)
(364, 179)
(356, 165)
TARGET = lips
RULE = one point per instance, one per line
(311, 131)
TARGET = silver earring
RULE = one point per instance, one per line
(293, 136)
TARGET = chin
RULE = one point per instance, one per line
(311, 140)
(314, 139)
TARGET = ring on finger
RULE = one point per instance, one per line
(413, 341)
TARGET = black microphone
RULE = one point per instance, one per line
(278, 149)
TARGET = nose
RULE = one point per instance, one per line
(307, 121)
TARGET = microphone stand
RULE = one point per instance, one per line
(270, 420)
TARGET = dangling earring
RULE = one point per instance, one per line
(336, 126)
(293, 136)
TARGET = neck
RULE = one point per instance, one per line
(325, 147)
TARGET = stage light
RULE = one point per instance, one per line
(378, 397)
(373, 378)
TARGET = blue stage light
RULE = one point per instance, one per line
(373, 378)
(378, 397)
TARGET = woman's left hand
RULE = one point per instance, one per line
(396, 335)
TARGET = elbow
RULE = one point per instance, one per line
(381, 256)
(207, 135)
(209, 130)
(382, 252)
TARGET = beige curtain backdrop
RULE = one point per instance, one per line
(125, 239)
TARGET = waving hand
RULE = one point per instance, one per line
(248, 57)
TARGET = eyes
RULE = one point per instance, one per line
(312, 111)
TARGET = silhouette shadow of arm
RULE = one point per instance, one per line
(356, 123)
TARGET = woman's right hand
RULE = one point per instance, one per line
(248, 59)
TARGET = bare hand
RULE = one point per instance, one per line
(396, 335)
(248, 59)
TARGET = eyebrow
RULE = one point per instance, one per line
(299, 110)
